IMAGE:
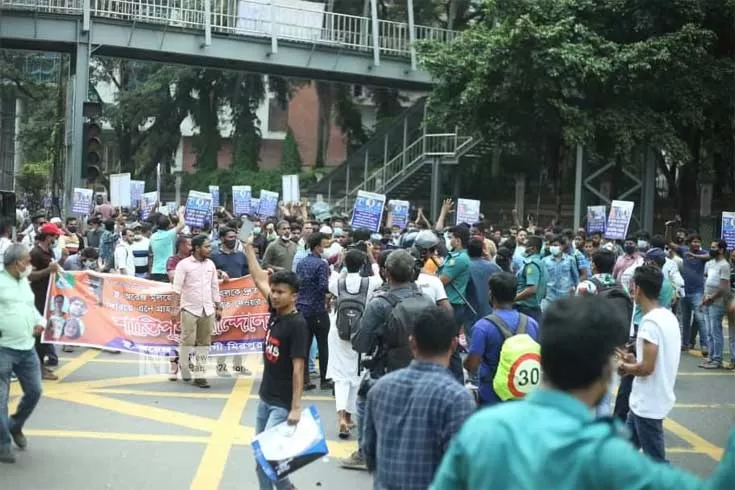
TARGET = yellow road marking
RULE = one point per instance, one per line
(148, 412)
(114, 436)
(707, 373)
(76, 363)
(698, 443)
(212, 466)
(160, 394)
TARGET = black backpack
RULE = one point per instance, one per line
(350, 307)
(615, 293)
(399, 326)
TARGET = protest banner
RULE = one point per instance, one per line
(727, 232)
(120, 190)
(468, 211)
(618, 220)
(147, 201)
(399, 212)
(368, 211)
(82, 203)
(268, 204)
(198, 210)
(137, 188)
(241, 195)
(134, 315)
(596, 219)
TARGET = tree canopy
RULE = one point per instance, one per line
(536, 77)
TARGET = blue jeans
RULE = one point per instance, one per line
(713, 315)
(27, 367)
(648, 435)
(688, 306)
(267, 417)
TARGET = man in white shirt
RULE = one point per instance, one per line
(654, 365)
(124, 256)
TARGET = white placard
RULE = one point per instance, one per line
(468, 211)
(291, 191)
(120, 190)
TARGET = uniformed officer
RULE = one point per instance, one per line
(531, 281)
(455, 273)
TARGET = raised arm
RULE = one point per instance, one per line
(260, 276)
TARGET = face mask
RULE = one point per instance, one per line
(713, 253)
(337, 231)
(395, 235)
(286, 237)
(26, 272)
(642, 244)
(229, 243)
(90, 264)
(72, 229)
(629, 249)
(256, 230)
(555, 250)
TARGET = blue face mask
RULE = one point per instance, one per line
(256, 230)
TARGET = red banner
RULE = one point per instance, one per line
(134, 315)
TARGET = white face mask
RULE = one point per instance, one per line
(555, 250)
(642, 244)
(26, 272)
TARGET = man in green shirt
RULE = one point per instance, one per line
(21, 322)
(531, 281)
(551, 439)
(455, 273)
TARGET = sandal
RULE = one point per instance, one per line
(344, 431)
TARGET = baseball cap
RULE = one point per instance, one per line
(326, 230)
(56, 220)
(656, 255)
(49, 229)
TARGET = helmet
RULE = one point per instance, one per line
(426, 240)
(408, 239)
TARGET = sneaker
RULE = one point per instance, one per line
(48, 375)
(242, 371)
(201, 383)
(309, 386)
(327, 384)
(173, 371)
(67, 348)
(6, 455)
(354, 462)
(711, 365)
(222, 372)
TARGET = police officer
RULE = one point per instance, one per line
(531, 280)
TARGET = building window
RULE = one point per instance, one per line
(277, 116)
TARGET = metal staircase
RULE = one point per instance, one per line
(396, 162)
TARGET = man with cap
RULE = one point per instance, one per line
(44, 264)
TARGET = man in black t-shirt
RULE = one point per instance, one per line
(285, 350)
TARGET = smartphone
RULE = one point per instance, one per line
(245, 230)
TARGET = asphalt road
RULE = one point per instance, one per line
(110, 424)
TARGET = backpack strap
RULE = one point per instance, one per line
(500, 325)
(341, 286)
(522, 324)
(598, 284)
(364, 285)
(391, 298)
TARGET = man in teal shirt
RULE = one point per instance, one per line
(531, 281)
(21, 324)
(551, 439)
(163, 245)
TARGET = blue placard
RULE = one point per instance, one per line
(268, 204)
(368, 211)
(137, 188)
(399, 213)
(198, 210)
(618, 220)
(596, 216)
(214, 192)
(727, 232)
(241, 197)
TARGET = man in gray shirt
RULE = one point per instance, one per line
(716, 289)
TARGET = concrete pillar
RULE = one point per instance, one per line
(80, 83)
(578, 184)
(18, 147)
(435, 188)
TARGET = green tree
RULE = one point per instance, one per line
(537, 77)
(291, 156)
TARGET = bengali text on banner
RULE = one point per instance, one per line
(134, 315)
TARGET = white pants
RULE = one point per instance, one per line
(345, 396)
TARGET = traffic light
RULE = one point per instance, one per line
(92, 156)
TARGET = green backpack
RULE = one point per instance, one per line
(519, 368)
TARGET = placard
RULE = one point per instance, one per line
(82, 201)
(120, 190)
(468, 211)
(241, 196)
(618, 220)
(368, 211)
(596, 219)
(148, 201)
(137, 188)
(727, 232)
(268, 204)
(291, 192)
(198, 211)
(214, 192)
(399, 212)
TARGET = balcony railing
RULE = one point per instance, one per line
(254, 18)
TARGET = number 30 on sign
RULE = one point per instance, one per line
(525, 374)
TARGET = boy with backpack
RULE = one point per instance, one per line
(504, 347)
